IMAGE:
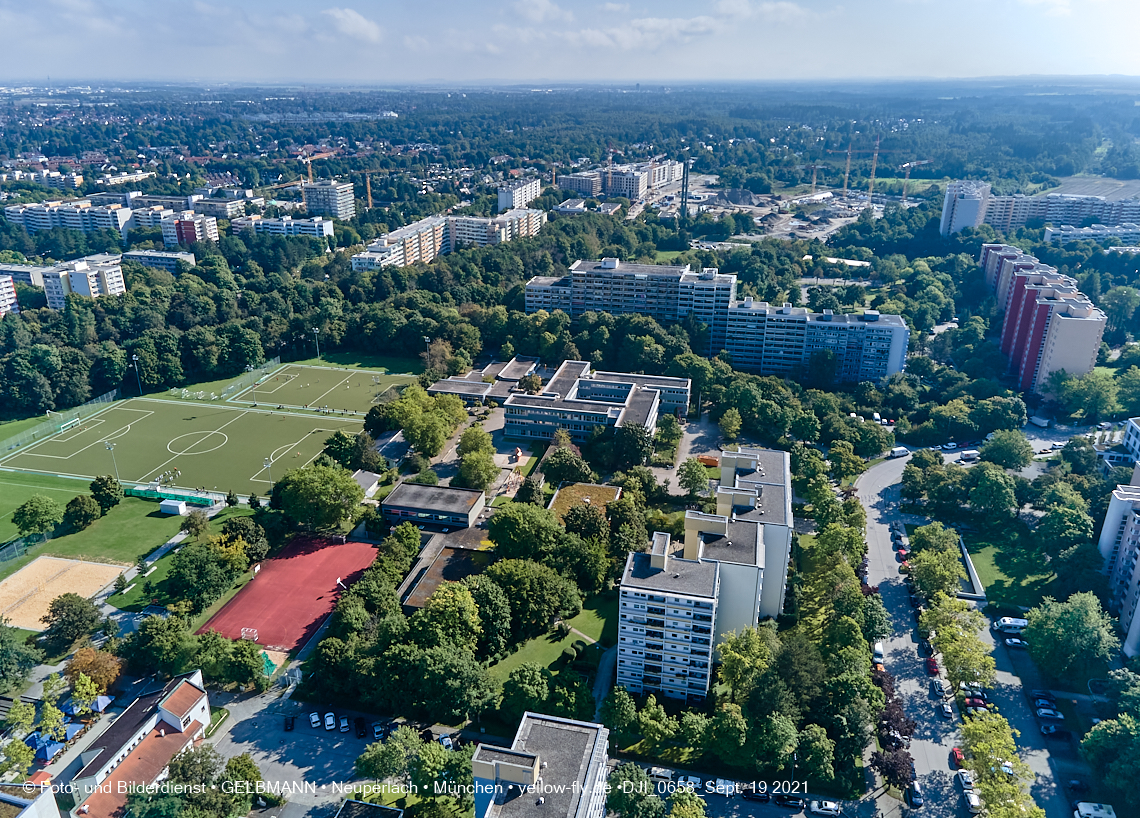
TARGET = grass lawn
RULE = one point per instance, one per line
(360, 360)
(134, 599)
(577, 493)
(217, 716)
(1009, 566)
(545, 650)
(16, 488)
(501, 500)
(669, 255)
(11, 428)
(599, 619)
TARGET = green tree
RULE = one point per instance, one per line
(686, 804)
(993, 493)
(1119, 304)
(775, 739)
(564, 465)
(744, 657)
(244, 665)
(816, 755)
(20, 718)
(1110, 748)
(619, 711)
(937, 571)
(382, 760)
(632, 793)
(51, 722)
(196, 524)
(165, 645)
(1009, 449)
(494, 615)
(588, 522)
(242, 771)
(693, 477)
(17, 658)
(1091, 396)
(318, 497)
(232, 499)
(530, 492)
(1066, 636)
(81, 512)
(727, 733)
(730, 424)
(84, 692)
(1128, 390)
(340, 447)
(632, 445)
(70, 617)
(107, 491)
(449, 617)
(694, 729)
(475, 439)
(654, 723)
(477, 470)
(1062, 528)
(844, 461)
(37, 515)
(527, 687)
(935, 537)
(19, 756)
(520, 530)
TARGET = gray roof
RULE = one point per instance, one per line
(362, 809)
(365, 479)
(567, 748)
(436, 498)
(639, 406)
(680, 576)
(459, 386)
(517, 367)
(741, 544)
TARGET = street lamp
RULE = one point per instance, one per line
(269, 466)
(138, 380)
(252, 381)
(317, 340)
(111, 449)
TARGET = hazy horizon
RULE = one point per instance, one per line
(370, 43)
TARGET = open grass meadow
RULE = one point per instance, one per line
(215, 446)
(1009, 565)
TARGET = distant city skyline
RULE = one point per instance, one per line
(369, 42)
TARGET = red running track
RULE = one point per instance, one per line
(293, 593)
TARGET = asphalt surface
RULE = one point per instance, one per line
(935, 737)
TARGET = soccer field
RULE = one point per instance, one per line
(215, 446)
(295, 386)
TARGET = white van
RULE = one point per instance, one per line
(1087, 809)
(900, 451)
(969, 455)
(1009, 624)
(878, 652)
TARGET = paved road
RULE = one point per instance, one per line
(878, 490)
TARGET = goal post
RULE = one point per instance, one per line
(68, 424)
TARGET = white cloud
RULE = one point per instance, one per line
(615, 7)
(352, 23)
(773, 10)
(542, 11)
(647, 33)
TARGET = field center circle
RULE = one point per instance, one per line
(200, 438)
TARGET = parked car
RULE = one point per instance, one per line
(690, 782)
(925, 648)
(901, 554)
(932, 666)
(446, 742)
(785, 799)
(289, 722)
(1049, 703)
(976, 711)
(315, 720)
(379, 731)
(959, 757)
(1042, 694)
(749, 793)
(721, 786)
(974, 690)
(915, 794)
(344, 724)
(361, 728)
(1049, 713)
(1014, 642)
(946, 710)
(966, 779)
(330, 721)
(1053, 731)
(974, 803)
(972, 702)
(824, 808)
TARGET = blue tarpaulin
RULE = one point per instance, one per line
(100, 704)
(48, 750)
(73, 729)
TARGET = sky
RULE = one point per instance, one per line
(382, 43)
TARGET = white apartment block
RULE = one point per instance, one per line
(150, 216)
(187, 227)
(160, 259)
(330, 198)
(125, 178)
(1126, 232)
(91, 277)
(519, 193)
(77, 214)
(8, 303)
(667, 616)
(1120, 547)
(970, 203)
(437, 235)
(220, 208)
(284, 226)
(175, 203)
(964, 205)
(632, 184)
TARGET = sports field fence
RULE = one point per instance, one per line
(191, 498)
(58, 421)
(255, 376)
(18, 547)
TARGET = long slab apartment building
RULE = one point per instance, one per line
(632, 181)
(970, 203)
(760, 337)
(677, 602)
(1049, 323)
(434, 236)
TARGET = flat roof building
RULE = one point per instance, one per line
(92, 277)
(188, 227)
(1120, 547)
(554, 768)
(76, 214)
(438, 505)
(588, 183)
(329, 197)
(8, 303)
(969, 203)
(519, 193)
(160, 259)
(1128, 232)
(284, 226)
(578, 400)
(433, 236)
(220, 208)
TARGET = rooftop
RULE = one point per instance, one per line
(680, 576)
(640, 406)
(568, 749)
(437, 498)
(741, 544)
(182, 699)
(450, 565)
(577, 494)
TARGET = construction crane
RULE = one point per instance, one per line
(874, 163)
(871, 186)
(814, 170)
(907, 168)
